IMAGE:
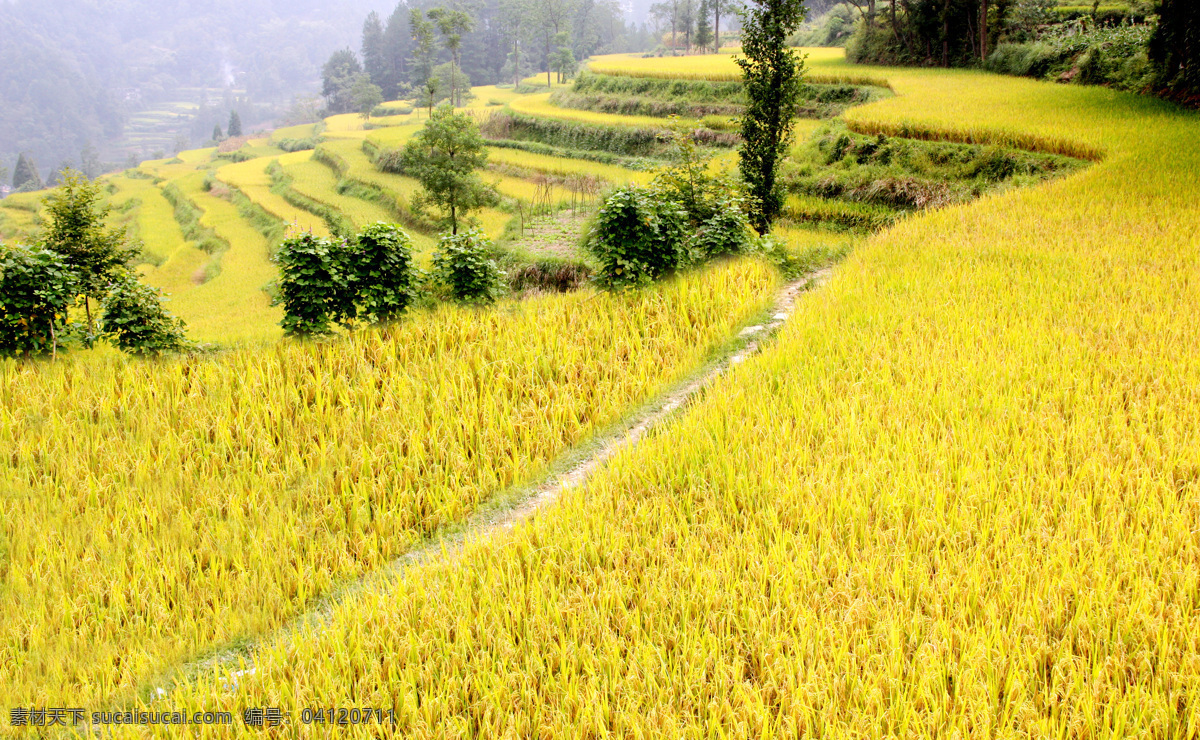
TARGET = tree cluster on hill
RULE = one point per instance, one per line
(433, 50)
(693, 25)
(1151, 45)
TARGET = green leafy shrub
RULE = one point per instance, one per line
(298, 145)
(638, 236)
(135, 321)
(727, 230)
(384, 272)
(36, 288)
(317, 285)
(464, 268)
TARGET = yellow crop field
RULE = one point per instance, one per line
(301, 131)
(957, 497)
(565, 166)
(359, 167)
(315, 180)
(252, 179)
(187, 504)
(824, 65)
(540, 106)
(394, 137)
(153, 216)
(198, 156)
(345, 125)
(232, 305)
(20, 213)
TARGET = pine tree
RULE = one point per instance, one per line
(217, 135)
(26, 175)
(703, 28)
(374, 59)
(235, 124)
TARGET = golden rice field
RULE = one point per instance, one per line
(183, 506)
(539, 105)
(565, 166)
(318, 182)
(232, 305)
(824, 65)
(959, 496)
(252, 179)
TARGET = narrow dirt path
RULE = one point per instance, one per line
(511, 508)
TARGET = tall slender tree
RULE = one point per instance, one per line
(374, 55)
(424, 50)
(772, 74)
(452, 24)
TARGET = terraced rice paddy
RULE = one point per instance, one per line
(317, 181)
(957, 496)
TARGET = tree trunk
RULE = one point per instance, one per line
(87, 306)
(983, 30)
(946, 34)
(717, 27)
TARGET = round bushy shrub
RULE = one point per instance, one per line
(135, 321)
(726, 231)
(463, 266)
(36, 288)
(384, 271)
(317, 284)
(639, 235)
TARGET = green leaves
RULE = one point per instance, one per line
(324, 282)
(771, 75)
(443, 157)
(37, 286)
(135, 321)
(639, 236)
(464, 268)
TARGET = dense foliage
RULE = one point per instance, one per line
(1175, 48)
(464, 268)
(490, 42)
(385, 273)
(316, 285)
(36, 289)
(1127, 47)
(135, 321)
(771, 75)
(638, 236)
(324, 282)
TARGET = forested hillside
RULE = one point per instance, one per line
(75, 71)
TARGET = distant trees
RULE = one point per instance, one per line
(25, 175)
(452, 24)
(235, 124)
(365, 95)
(444, 157)
(772, 75)
(338, 76)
